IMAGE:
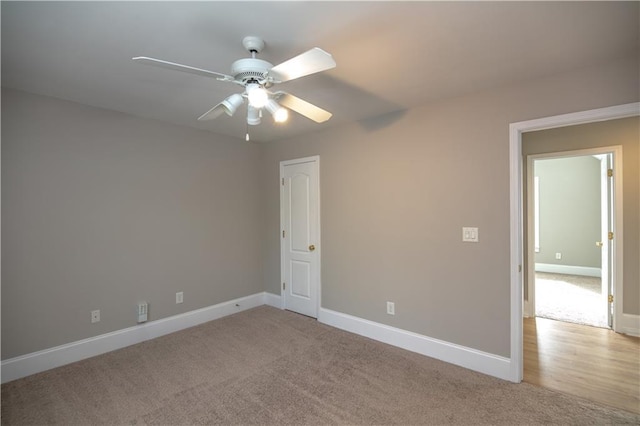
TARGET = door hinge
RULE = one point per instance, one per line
(282, 181)
(611, 298)
(610, 172)
(283, 233)
(284, 286)
(519, 268)
(611, 235)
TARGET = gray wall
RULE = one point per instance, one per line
(396, 191)
(624, 132)
(569, 211)
(101, 210)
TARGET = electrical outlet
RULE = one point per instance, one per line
(179, 297)
(95, 316)
(558, 256)
(143, 311)
(391, 308)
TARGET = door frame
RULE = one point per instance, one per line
(318, 249)
(516, 130)
(614, 275)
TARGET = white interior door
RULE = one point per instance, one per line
(605, 243)
(300, 235)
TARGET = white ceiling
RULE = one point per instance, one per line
(391, 55)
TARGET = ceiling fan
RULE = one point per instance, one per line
(258, 77)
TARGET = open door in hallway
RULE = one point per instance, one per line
(606, 232)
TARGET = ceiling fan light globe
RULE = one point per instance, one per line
(232, 103)
(258, 97)
(253, 116)
(281, 115)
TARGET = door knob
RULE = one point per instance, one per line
(599, 243)
(312, 247)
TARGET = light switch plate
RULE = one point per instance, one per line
(391, 308)
(470, 235)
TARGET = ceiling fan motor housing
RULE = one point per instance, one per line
(247, 69)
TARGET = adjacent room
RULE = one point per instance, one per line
(577, 191)
(317, 212)
(568, 268)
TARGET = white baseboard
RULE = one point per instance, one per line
(273, 300)
(630, 325)
(568, 269)
(472, 359)
(527, 312)
(35, 362)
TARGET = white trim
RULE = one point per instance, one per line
(528, 311)
(515, 207)
(581, 117)
(36, 362)
(274, 300)
(536, 212)
(630, 324)
(530, 295)
(568, 269)
(516, 264)
(463, 356)
(25, 365)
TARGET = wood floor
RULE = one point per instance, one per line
(593, 363)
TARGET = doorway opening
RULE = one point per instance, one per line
(570, 211)
(518, 272)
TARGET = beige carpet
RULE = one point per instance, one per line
(571, 298)
(269, 366)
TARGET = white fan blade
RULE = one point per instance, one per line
(179, 67)
(302, 107)
(309, 62)
(214, 112)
